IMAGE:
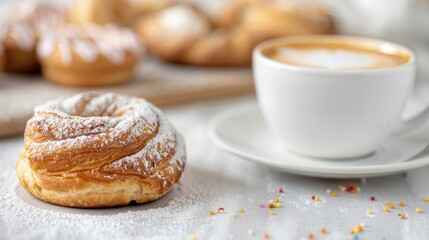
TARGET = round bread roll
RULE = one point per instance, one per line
(97, 150)
(91, 55)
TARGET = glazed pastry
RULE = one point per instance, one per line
(21, 32)
(84, 12)
(97, 150)
(185, 34)
(91, 55)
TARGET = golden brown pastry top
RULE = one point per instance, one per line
(103, 137)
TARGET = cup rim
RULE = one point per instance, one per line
(257, 54)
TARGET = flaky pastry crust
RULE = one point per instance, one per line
(99, 150)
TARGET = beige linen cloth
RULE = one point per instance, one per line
(162, 84)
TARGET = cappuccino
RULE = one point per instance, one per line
(326, 53)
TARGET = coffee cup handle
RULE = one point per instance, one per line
(409, 125)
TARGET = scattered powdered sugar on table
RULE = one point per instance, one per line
(175, 214)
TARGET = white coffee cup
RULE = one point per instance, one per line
(332, 113)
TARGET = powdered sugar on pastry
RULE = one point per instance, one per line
(89, 42)
(22, 34)
(28, 21)
(96, 149)
(183, 20)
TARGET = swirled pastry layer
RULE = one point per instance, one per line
(95, 150)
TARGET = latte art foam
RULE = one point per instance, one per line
(336, 58)
(340, 55)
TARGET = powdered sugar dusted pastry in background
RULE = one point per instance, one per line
(98, 150)
(84, 12)
(91, 55)
(185, 34)
(20, 34)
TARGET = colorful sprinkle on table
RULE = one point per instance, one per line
(351, 188)
(358, 229)
(192, 237)
(276, 203)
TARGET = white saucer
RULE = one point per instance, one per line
(243, 132)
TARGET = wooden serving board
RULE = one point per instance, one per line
(160, 83)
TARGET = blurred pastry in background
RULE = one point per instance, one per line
(19, 40)
(271, 19)
(20, 34)
(90, 55)
(2, 58)
(183, 33)
(118, 12)
(142, 7)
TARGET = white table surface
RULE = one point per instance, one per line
(215, 179)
